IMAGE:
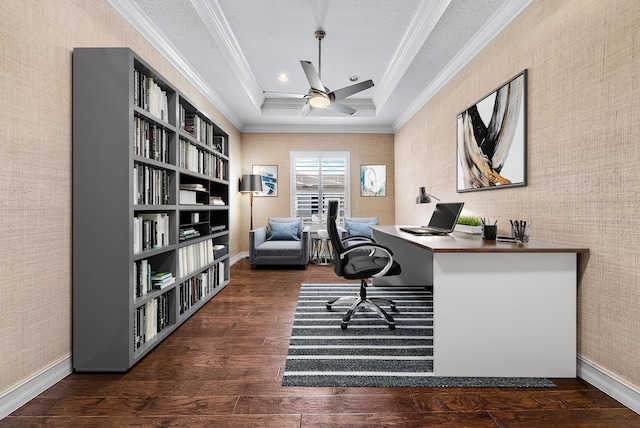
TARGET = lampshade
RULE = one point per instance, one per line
(251, 183)
(424, 197)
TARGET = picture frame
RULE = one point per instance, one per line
(373, 180)
(269, 175)
(492, 139)
(218, 143)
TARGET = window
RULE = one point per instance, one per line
(318, 177)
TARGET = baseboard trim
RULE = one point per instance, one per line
(21, 395)
(609, 384)
(235, 259)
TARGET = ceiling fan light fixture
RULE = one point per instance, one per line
(319, 96)
(319, 101)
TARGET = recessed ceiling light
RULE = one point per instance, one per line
(354, 78)
(283, 78)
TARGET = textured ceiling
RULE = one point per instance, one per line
(233, 50)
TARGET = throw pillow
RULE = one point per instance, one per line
(360, 228)
(284, 231)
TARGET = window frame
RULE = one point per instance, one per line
(320, 156)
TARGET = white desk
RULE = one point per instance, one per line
(500, 309)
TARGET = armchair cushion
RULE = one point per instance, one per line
(360, 226)
(281, 231)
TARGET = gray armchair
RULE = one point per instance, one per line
(285, 242)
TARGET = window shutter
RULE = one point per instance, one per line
(319, 177)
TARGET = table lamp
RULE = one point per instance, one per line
(251, 183)
(424, 197)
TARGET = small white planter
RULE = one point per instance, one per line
(474, 230)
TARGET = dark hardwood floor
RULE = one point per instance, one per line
(223, 368)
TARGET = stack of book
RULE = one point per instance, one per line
(215, 200)
(160, 280)
(188, 233)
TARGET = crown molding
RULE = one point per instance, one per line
(427, 16)
(494, 26)
(214, 19)
(139, 21)
(318, 129)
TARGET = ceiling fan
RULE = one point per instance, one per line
(320, 96)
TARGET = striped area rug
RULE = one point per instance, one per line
(367, 353)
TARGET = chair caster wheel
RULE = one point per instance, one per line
(343, 326)
(393, 308)
(392, 326)
(328, 307)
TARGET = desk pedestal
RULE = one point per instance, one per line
(505, 314)
(502, 314)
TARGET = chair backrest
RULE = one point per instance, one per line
(336, 243)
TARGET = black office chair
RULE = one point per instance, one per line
(350, 263)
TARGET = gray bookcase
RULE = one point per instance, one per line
(150, 195)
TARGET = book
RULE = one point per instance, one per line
(159, 276)
(159, 285)
(193, 186)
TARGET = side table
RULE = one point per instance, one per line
(321, 250)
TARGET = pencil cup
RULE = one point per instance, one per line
(520, 231)
(489, 232)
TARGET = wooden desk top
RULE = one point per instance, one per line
(467, 243)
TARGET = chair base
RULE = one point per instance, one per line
(362, 301)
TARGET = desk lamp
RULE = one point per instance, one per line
(251, 183)
(424, 197)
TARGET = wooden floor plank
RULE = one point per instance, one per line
(223, 368)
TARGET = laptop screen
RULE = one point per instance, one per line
(445, 215)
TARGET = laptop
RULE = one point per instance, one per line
(442, 221)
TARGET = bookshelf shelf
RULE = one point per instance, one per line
(134, 280)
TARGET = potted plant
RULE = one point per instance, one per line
(469, 224)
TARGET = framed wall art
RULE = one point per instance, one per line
(269, 175)
(373, 180)
(491, 139)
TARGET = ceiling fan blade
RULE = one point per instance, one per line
(312, 76)
(339, 94)
(341, 108)
(305, 110)
(282, 94)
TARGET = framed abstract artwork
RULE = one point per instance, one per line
(373, 180)
(269, 175)
(491, 139)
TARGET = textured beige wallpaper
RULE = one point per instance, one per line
(275, 149)
(584, 105)
(37, 39)
(583, 58)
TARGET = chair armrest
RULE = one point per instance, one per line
(359, 238)
(374, 247)
(257, 237)
(305, 237)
